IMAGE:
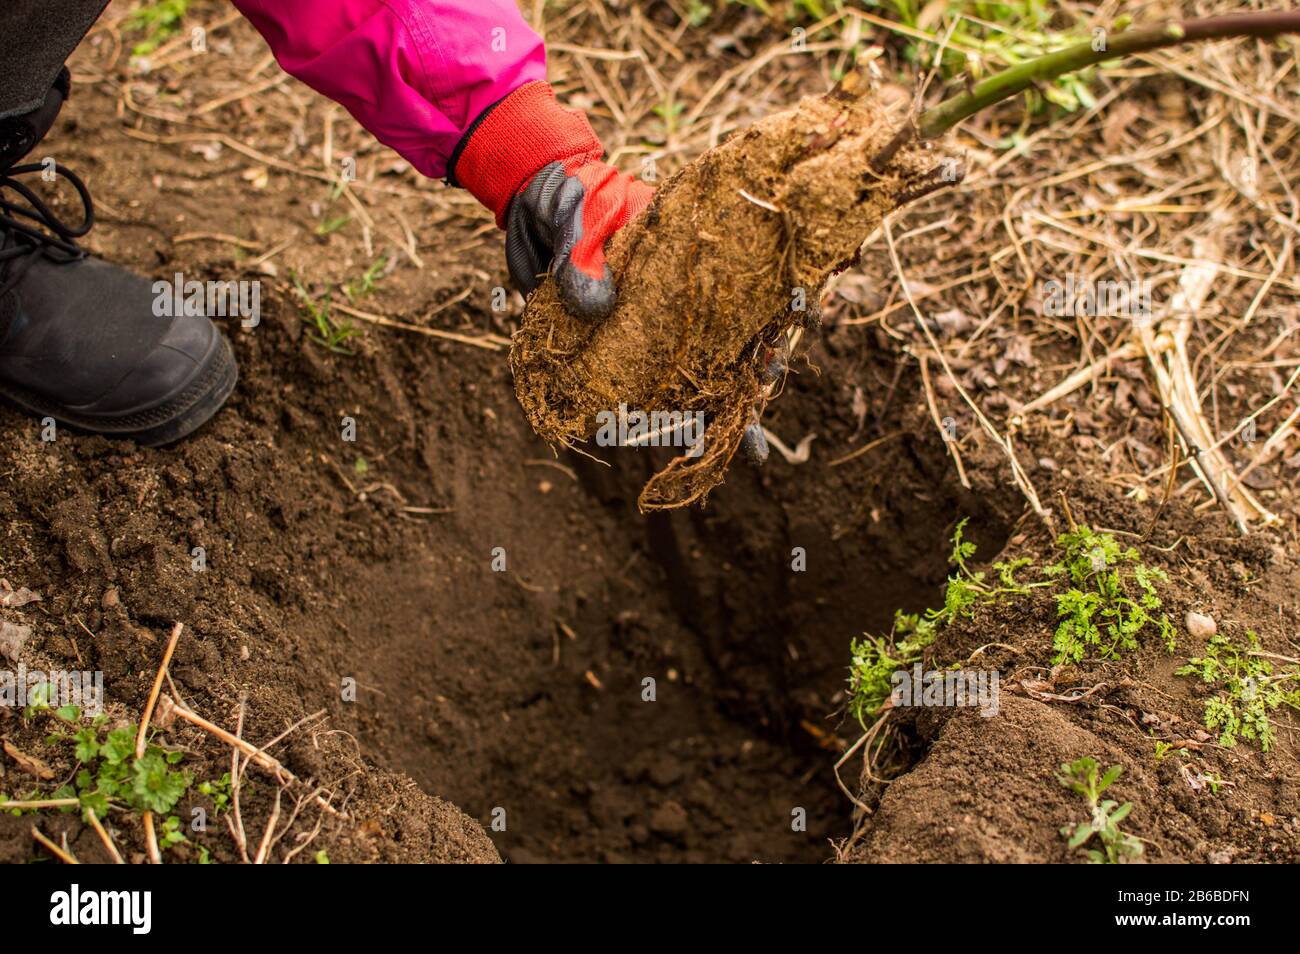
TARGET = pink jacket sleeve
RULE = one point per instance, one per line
(416, 73)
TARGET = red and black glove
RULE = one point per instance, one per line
(537, 166)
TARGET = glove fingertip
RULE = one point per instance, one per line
(584, 296)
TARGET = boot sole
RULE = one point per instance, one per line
(169, 421)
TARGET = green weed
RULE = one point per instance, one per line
(368, 280)
(109, 774)
(793, 10)
(978, 38)
(170, 834)
(219, 791)
(1111, 600)
(330, 334)
(329, 226)
(1164, 749)
(1248, 689)
(669, 112)
(159, 22)
(1105, 815)
(874, 659)
(698, 13)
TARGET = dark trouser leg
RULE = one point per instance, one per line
(36, 38)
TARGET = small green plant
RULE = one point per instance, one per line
(1164, 749)
(158, 21)
(698, 13)
(329, 334)
(670, 112)
(980, 37)
(109, 775)
(38, 699)
(874, 659)
(170, 834)
(322, 858)
(329, 226)
(369, 279)
(793, 11)
(1111, 599)
(967, 589)
(219, 791)
(1248, 689)
(1080, 776)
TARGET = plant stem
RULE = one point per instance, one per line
(39, 804)
(1043, 69)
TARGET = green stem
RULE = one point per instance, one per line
(1010, 82)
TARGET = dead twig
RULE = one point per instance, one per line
(151, 839)
(271, 823)
(150, 836)
(235, 821)
(104, 836)
(1017, 471)
(488, 342)
(39, 804)
(67, 857)
(272, 765)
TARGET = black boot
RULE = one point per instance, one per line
(79, 338)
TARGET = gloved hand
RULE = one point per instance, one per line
(537, 167)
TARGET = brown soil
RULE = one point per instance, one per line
(523, 690)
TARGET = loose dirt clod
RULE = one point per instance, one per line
(12, 638)
(732, 253)
(735, 249)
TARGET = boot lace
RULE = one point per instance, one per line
(21, 244)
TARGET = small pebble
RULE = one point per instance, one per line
(1200, 625)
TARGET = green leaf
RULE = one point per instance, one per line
(95, 801)
(153, 786)
(1112, 773)
(118, 746)
(87, 745)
